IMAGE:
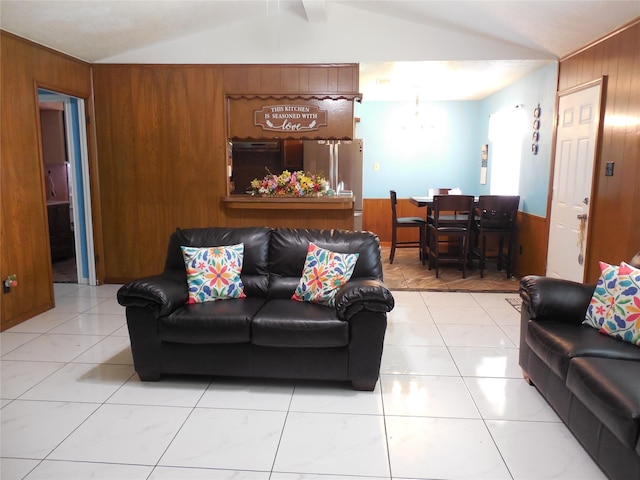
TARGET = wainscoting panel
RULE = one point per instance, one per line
(376, 218)
(531, 245)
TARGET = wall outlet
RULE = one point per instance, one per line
(10, 281)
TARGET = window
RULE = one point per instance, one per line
(506, 130)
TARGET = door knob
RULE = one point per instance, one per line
(582, 217)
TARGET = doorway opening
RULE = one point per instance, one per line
(66, 169)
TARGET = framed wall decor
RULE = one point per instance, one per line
(537, 112)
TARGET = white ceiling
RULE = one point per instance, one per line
(451, 49)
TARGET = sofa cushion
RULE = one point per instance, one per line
(255, 263)
(285, 323)
(211, 322)
(556, 343)
(610, 388)
(323, 274)
(213, 273)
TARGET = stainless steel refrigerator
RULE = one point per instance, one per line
(341, 162)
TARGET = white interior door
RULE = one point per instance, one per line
(578, 119)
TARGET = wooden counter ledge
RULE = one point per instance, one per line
(290, 212)
(259, 202)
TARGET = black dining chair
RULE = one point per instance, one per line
(496, 219)
(404, 223)
(449, 225)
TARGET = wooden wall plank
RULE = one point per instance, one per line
(117, 167)
(530, 246)
(319, 80)
(332, 79)
(304, 81)
(230, 78)
(271, 76)
(347, 80)
(376, 217)
(290, 79)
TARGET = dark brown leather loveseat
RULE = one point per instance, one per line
(591, 380)
(266, 334)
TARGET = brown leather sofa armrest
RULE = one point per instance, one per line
(547, 298)
(162, 293)
(363, 294)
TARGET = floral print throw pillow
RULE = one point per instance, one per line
(323, 274)
(603, 295)
(623, 318)
(213, 273)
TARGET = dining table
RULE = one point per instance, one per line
(427, 201)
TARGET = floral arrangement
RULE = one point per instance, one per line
(296, 184)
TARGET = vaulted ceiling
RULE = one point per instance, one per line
(438, 49)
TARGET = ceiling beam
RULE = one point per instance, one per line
(316, 10)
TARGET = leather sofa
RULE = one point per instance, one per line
(265, 334)
(591, 380)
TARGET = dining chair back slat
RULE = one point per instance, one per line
(496, 218)
(449, 224)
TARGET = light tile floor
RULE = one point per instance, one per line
(450, 404)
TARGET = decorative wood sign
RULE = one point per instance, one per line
(290, 118)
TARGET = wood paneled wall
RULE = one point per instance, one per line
(162, 144)
(615, 214)
(23, 226)
(530, 246)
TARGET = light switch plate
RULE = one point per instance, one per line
(608, 172)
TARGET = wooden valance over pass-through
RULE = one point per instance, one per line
(304, 116)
